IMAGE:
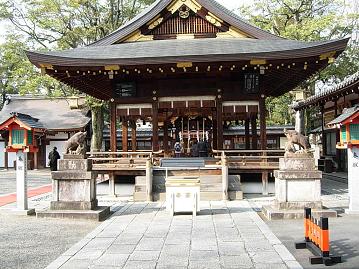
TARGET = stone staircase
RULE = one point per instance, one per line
(211, 185)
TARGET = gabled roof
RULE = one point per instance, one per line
(53, 114)
(350, 83)
(23, 120)
(348, 114)
(157, 7)
(192, 50)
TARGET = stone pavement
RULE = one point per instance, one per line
(144, 235)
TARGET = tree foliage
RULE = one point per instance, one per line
(308, 20)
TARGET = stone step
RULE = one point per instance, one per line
(205, 196)
(272, 213)
(211, 179)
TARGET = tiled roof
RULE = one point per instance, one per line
(192, 50)
(347, 113)
(52, 113)
(351, 80)
(28, 120)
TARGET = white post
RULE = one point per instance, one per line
(299, 121)
(112, 185)
(353, 180)
(149, 177)
(21, 181)
(224, 163)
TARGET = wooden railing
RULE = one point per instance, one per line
(251, 159)
(120, 160)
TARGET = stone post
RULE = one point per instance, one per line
(21, 180)
(353, 180)
(299, 121)
(149, 179)
(224, 162)
(112, 185)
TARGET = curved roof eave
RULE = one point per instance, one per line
(126, 50)
(153, 10)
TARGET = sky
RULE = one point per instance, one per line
(230, 4)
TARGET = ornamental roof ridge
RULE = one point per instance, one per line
(158, 6)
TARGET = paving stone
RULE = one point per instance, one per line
(239, 262)
(284, 253)
(204, 265)
(206, 255)
(270, 266)
(115, 260)
(231, 248)
(170, 262)
(147, 243)
(78, 264)
(88, 254)
(144, 255)
(293, 265)
(204, 245)
(99, 243)
(258, 245)
(128, 239)
(267, 256)
(140, 265)
(121, 249)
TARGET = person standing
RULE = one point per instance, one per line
(53, 157)
(178, 149)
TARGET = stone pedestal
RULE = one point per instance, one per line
(74, 191)
(297, 185)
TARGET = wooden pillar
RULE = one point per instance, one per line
(35, 161)
(214, 134)
(254, 133)
(113, 134)
(133, 136)
(262, 123)
(337, 134)
(124, 135)
(324, 137)
(155, 144)
(219, 124)
(6, 157)
(165, 136)
(246, 133)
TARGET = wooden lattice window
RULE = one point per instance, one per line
(354, 131)
(29, 137)
(17, 137)
(194, 24)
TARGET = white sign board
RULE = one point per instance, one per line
(353, 180)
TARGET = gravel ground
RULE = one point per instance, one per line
(35, 179)
(27, 242)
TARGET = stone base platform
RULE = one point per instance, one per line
(18, 212)
(98, 214)
(273, 213)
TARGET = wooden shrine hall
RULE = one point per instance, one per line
(188, 67)
(187, 59)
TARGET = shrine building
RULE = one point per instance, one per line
(188, 68)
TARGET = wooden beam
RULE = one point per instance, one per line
(124, 135)
(262, 123)
(113, 134)
(155, 144)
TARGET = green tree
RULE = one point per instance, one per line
(63, 24)
(307, 20)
